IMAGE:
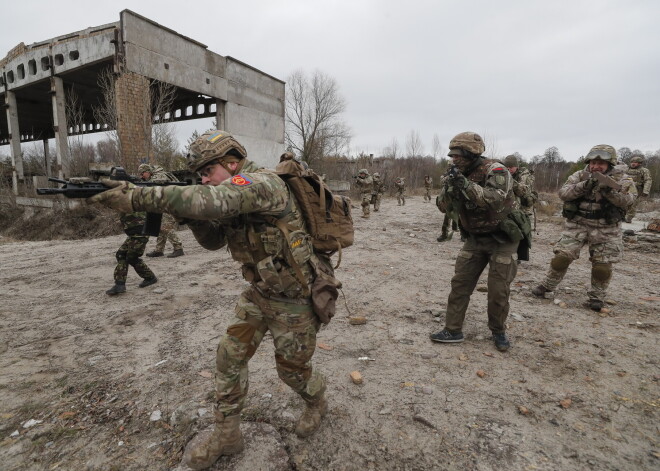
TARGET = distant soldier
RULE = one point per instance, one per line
(523, 185)
(154, 173)
(365, 183)
(642, 178)
(400, 186)
(445, 235)
(593, 212)
(130, 252)
(428, 185)
(377, 191)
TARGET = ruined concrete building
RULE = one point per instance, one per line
(138, 52)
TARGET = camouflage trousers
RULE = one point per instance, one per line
(293, 327)
(366, 203)
(129, 254)
(401, 197)
(445, 224)
(631, 211)
(477, 252)
(168, 232)
(377, 198)
(427, 195)
(605, 248)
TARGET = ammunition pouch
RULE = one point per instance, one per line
(518, 228)
(373, 198)
(570, 209)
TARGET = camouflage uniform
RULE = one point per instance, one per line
(594, 213)
(428, 185)
(444, 235)
(523, 187)
(643, 182)
(400, 186)
(365, 184)
(482, 197)
(132, 249)
(377, 192)
(236, 214)
(168, 225)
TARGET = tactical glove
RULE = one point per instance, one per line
(589, 185)
(118, 197)
(460, 182)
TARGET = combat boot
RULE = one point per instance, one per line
(311, 417)
(118, 288)
(176, 253)
(540, 291)
(595, 304)
(208, 446)
(147, 282)
(155, 253)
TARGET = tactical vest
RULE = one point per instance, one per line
(378, 187)
(637, 174)
(483, 220)
(586, 207)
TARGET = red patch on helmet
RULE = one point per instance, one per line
(498, 169)
(240, 180)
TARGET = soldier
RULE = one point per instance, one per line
(168, 226)
(130, 252)
(428, 185)
(400, 186)
(593, 213)
(642, 178)
(377, 192)
(482, 196)
(523, 185)
(445, 235)
(365, 183)
(242, 206)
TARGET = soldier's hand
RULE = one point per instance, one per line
(118, 197)
(589, 185)
(460, 182)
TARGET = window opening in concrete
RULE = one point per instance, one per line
(74, 55)
(10, 76)
(201, 108)
(213, 108)
(59, 59)
(20, 71)
(45, 63)
(32, 67)
(208, 81)
(167, 66)
(177, 113)
(189, 110)
(167, 115)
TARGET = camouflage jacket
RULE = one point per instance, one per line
(400, 185)
(642, 178)
(379, 187)
(428, 183)
(600, 199)
(365, 184)
(487, 200)
(240, 213)
(160, 176)
(523, 184)
(132, 223)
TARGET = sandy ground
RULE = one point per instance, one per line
(123, 383)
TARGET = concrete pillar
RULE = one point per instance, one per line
(133, 119)
(220, 114)
(60, 127)
(14, 141)
(47, 158)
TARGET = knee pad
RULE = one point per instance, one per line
(601, 271)
(120, 255)
(560, 262)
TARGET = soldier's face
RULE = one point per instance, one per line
(461, 162)
(635, 164)
(145, 175)
(512, 170)
(598, 165)
(213, 174)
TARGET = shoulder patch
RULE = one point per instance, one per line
(240, 180)
(500, 169)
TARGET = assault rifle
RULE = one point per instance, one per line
(86, 187)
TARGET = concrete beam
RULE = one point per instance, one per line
(60, 127)
(14, 140)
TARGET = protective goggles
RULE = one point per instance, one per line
(600, 154)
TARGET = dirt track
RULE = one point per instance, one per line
(578, 390)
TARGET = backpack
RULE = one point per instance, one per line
(328, 217)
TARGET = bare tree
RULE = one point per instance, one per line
(80, 153)
(414, 147)
(436, 147)
(106, 112)
(392, 150)
(314, 126)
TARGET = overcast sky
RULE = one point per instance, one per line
(525, 74)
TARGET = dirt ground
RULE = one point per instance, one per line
(92, 382)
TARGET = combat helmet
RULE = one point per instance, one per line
(511, 161)
(215, 145)
(376, 175)
(603, 152)
(639, 158)
(467, 141)
(364, 170)
(145, 168)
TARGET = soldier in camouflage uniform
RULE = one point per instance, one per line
(445, 235)
(400, 186)
(130, 252)
(593, 215)
(523, 185)
(377, 192)
(238, 206)
(428, 185)
(365, 183)
(156, 174)
(482, 195)
(643, 182)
